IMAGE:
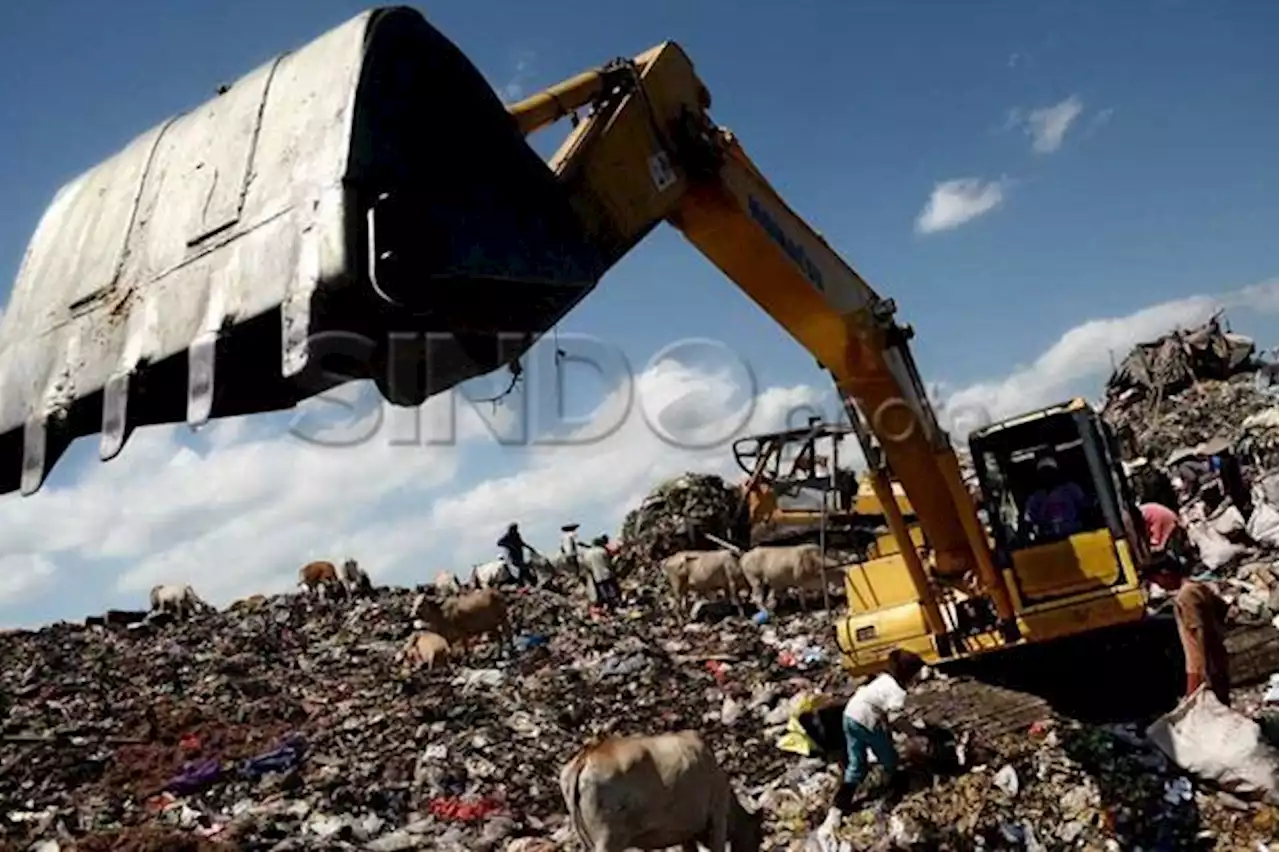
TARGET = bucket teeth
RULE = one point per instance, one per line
(34, 444)
(200, 358)
(115, 416)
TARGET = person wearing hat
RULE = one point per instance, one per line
(569, 548)
(1057, 507)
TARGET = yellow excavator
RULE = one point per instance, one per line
(366, 207)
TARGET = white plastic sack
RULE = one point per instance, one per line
(1218, 744)
(1229, 522)
(1215, 550)
(1264, 524)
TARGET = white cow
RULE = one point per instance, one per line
(490, 574)
(446, 583)
(180, 600)
(653, 793)
(704, 571)
(774, 568)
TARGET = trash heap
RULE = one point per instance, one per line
(285, 724)
(677, 515)
(1189, 387)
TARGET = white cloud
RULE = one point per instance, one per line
(240, 508)
(683, 419)
(22, 576)
(521, 74)
(1048, 126)
(1083, 355)
(241, 517)
(954, 202)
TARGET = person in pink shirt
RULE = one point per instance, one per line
(1165, 534)
(1161, 523)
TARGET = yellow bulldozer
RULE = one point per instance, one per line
(366, 207)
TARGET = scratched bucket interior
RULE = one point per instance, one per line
(363, 207)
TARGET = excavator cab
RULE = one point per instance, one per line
(1062, 518)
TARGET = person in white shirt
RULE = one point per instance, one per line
(569, 546)
(866, 726)
(599, 563)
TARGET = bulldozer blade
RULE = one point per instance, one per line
(360, 208)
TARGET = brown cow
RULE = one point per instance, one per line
(424, 648)
(320, 576)
(464, 616)
(655, 792)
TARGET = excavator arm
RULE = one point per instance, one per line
(647, 151)
(365, 207)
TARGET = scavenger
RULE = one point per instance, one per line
(865, 725)
(1201, 616)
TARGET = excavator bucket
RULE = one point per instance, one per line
(363, 207)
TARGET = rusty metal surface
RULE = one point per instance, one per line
(183, 277)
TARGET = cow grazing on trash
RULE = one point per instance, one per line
(180, 600)
(654, 792)
(704, 571)
(320, 576)
(424, 648)
(459, 619)
(355, 581)
(446, 583)
(771, 569)
(490, 574)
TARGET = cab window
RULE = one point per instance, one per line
(1040, 492)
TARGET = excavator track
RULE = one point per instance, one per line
(992, 698)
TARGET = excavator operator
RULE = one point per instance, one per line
(1056, 509)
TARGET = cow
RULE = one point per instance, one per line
(446, 583)
(319, 576)
(703, 571)
(653, 792)
(424, 648)
(252, 603)
(490, 574)
(464, 616)
(773, 568)
(354, 579)
(180, 600)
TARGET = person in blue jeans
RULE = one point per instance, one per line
(866, 726)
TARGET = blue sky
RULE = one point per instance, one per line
(1159, 190)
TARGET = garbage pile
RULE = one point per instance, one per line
(285, 724)
(1189, 387)
(288, 722)
(678, 515)
(1180, 358)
